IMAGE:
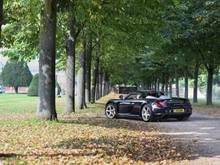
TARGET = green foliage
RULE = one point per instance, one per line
(140, 40)
(33, 88)
(20, 32)
(16, 74)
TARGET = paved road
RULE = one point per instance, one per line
(200, 129)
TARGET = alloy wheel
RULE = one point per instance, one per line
(146, 113)
(110, 111)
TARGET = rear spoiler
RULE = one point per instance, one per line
(179, 98)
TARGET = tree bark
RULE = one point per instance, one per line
(166, 88)
(158, 85)
(1, 20)
(95, 74)
(163, 87)
(100, 83)
(104, 85)
(170, 88)
(47, 108)
(84, 75)
(16, 89)
(210, 71)
(97, 86)
(195, 88)
(186, 83)
(70, 66)
(155, 85)
(88, 67)
(177, 82)
(80, 80)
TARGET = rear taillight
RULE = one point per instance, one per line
(159, 104)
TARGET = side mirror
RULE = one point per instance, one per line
(121, 97)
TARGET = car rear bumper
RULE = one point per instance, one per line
(168, 113)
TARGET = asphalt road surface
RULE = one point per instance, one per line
(201, 130)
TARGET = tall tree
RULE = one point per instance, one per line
(47, 83)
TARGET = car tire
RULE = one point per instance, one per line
(110, 111)
(146, 113)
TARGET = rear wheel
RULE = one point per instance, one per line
(110, 111)
(146, 113)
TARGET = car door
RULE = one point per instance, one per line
(125, 106)
(137, 104)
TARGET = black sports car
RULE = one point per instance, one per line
(148, 105)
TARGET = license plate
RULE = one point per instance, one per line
(178, 110)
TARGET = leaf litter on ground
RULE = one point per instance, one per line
(86, 138)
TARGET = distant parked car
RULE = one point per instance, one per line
(2, 89)
(148, 105)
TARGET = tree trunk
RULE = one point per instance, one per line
(155, 85)
(158, 85)
(177, 82)
(100, 83)
(97, 86)
(209, 86)
(186, 83)
(84, 75)
(163, 87)
(70, 66)
(166, 88)
(80, 80)
(82, 66)
(104, 85)
(195, 89)
(170, 88)
(1, 20)
(88, 67)
(16, 89)
(47, 107)
(95, 74)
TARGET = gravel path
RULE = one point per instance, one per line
(201, 130)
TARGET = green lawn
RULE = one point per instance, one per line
(18, 103)
(21, 108)
(21, 103)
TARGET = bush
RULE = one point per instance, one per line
(33, 88)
